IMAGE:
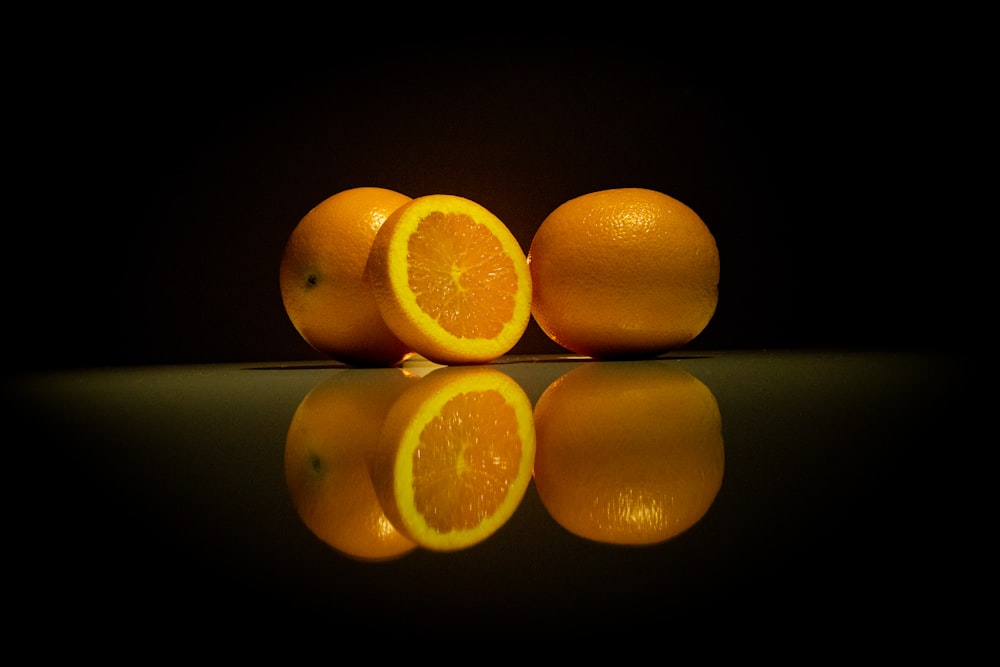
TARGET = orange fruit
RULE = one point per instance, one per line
(628, 452)
(322, 278)
(455, 456)
(626, 272)
(450, 280)
(328, 450)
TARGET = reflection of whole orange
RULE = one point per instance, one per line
(327, 450)
(627, 272)
(628, 452)
(321, 277)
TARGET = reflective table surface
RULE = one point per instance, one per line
(156, 486)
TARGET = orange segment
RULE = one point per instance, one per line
(450, 280)
(456, 264)
(455, 457)
(628, 452)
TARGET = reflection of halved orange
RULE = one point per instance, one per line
(455, 456)
(331, 438)
(450, 280)
(628, 452)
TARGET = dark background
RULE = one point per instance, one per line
(154, 178)
(163, 182)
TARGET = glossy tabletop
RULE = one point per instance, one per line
(152, 486)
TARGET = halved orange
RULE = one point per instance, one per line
(628, 452)
(450, 280)
(455, 456)
(330, 441)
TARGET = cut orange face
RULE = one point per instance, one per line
(450, 280)
(455, 457)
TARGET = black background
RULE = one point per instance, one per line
(162, 178)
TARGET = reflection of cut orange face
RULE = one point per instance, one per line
(455, 456)
(628, 452)
(331, 438)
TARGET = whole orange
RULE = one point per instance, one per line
(321, 277)
(627, 272)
